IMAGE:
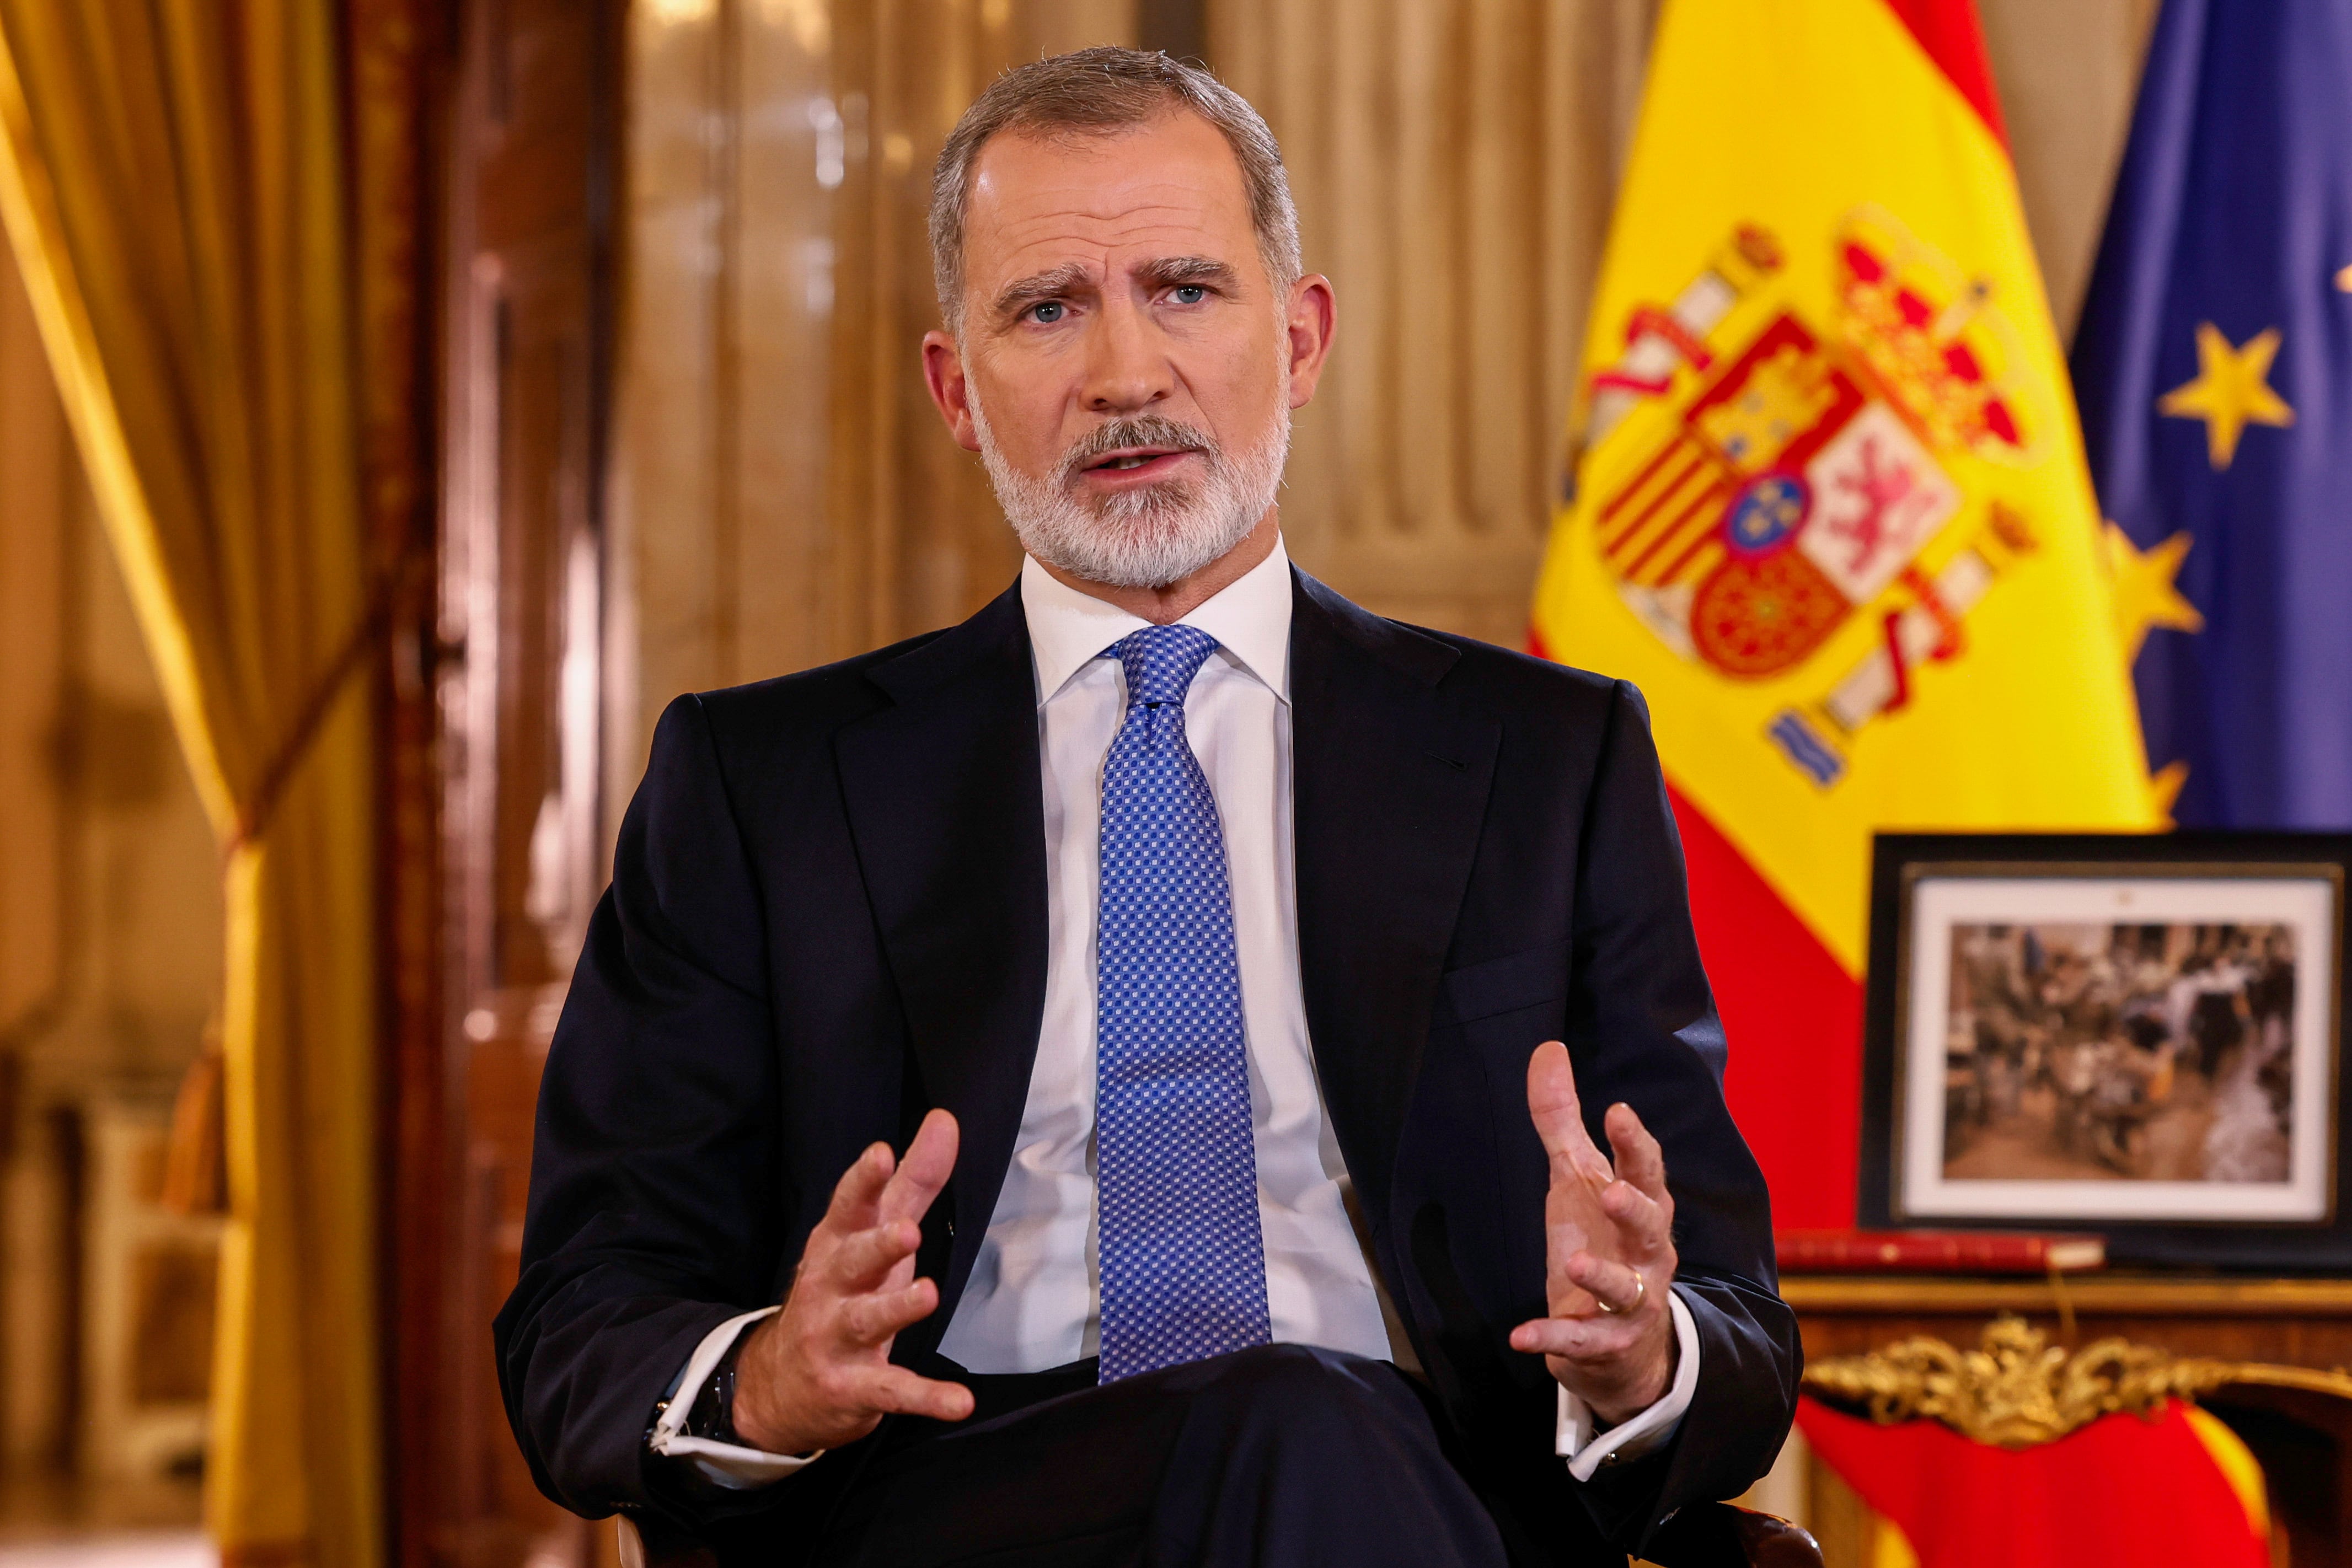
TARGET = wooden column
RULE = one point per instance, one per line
(526, 307)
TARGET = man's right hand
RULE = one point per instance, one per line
(818, 1374)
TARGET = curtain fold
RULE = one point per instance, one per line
(173, 180)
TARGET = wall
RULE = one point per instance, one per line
(2068, 72)
(783, 493)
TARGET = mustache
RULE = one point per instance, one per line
(1139, 429)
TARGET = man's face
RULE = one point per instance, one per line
(1125, 367)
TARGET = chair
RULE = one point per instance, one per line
(1723, 1535)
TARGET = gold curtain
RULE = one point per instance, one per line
(173, 180)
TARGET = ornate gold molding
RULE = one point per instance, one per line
(2016, 1389)
(2163, 1295)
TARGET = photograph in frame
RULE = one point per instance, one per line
(2132, 1035)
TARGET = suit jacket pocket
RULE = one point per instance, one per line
(1515, 982)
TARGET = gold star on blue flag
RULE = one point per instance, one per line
(2230, 389)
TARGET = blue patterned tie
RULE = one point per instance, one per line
(1183, 1266)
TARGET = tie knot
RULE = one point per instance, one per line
(1161, 661)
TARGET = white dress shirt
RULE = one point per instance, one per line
(1034, 1299)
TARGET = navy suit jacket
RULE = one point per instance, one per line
(828, 914)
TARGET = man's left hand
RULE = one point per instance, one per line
(1609, 1252)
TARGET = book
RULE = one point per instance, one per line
(1934, 1252)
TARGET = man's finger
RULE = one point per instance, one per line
(894, 1390)
(1559, 1116)
(1639, 1158)
(930, 1161)
(1567, 1299)
(1639, 1218)
(860, 1187)
(864, 1257)
(1616, 1288)
(873, 1319)
(1574, 1339)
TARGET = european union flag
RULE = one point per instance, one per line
(2213, 367)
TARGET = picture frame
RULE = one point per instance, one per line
(2139, 1036)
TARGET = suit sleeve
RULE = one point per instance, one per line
(654, 1163)
(1643, 1030)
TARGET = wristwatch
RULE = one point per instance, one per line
(713, 1414)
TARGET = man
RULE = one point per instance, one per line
(1202, 946)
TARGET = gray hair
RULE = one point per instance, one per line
(1100, 92)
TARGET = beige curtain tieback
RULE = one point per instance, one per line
(254, 812)
(196, 1157)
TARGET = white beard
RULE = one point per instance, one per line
(1152, 535)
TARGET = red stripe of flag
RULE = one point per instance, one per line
(1793, 1017)
(1948, 31)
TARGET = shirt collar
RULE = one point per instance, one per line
(1249, 617)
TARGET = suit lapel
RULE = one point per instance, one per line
(1391, 780)
(945, 807)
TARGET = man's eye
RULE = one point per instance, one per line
(1048, 310)
(1190, 294)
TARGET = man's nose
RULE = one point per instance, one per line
(1127, 367)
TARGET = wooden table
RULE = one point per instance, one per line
(2303, 1438)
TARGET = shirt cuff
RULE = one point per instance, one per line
(1643, 1433)
(730, 1464)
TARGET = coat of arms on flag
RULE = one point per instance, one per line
(1805, 477)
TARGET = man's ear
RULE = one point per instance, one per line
(1311, 318)
(943, 372)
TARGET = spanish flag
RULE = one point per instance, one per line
(1829, 510)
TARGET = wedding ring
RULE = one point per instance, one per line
(1640, 1294)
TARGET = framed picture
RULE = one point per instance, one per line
(2137, 1035)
